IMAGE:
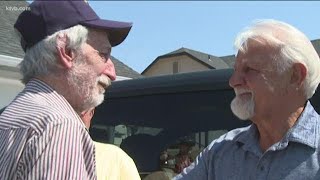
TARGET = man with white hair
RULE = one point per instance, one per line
(276, 71)
(66, 70)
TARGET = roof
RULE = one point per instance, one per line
(181, 82)
(211, 61)
(10, 46)
(316, 45)
(198, 100)
(124, 70)
(230, 60)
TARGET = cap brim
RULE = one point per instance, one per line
(118, 31)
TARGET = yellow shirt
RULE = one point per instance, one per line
(112, 163)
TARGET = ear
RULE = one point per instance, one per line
(66, 56)
(299, 73)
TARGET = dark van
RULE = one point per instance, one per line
(147, 115)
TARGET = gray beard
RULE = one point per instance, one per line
(82, 81)
(243, 109)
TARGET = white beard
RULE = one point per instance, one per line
(97, 94)
(243, 106)
(87, 85)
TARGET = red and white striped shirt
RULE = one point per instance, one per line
(42, 137)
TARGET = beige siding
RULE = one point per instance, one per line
(9, 88)
(165, 66)
(10, 84)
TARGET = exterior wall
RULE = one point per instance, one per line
(9, 88)
(10, 84)
(165, 66)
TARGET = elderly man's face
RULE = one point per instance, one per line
(93, 70)
(257, 83)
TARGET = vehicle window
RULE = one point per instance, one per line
(155, 148)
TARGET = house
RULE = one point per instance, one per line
(11, 53)
(184, 60)
(188, 60)
(316, 45)
(230, 60)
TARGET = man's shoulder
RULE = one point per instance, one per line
(228, 139)
(236, 133)
(35, 116)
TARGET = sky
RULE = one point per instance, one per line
(160, 27)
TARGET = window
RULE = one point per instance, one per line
(175, 68)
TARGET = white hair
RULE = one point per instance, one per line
(293, 45)
(41, 59)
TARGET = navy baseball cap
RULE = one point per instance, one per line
(44, 18)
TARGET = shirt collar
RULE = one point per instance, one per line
(249, 140)
(304, 131)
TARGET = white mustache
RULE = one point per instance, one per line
(239, 91)
(105, 80)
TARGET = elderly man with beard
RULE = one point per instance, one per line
(276, 71)
(66, 70)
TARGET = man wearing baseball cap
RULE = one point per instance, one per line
(66, 70)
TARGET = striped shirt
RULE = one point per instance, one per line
(42, 137)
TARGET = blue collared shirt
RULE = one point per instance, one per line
(236, 155)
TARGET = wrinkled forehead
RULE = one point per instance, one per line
(98, 39)
(256, 51)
